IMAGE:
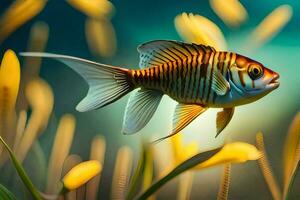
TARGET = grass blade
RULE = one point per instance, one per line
(26, 180)
(6, 194)
(186, 165)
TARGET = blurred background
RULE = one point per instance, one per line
(135, 22)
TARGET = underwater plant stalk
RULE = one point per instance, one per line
(148, 170)
(137, 174)
(225, 182)
(291, 183)
(23, 175)
(291, 151)
(39, 34)
(288, 188)
(121, 173)
(185, 185)
(60, 150)
(97, 152)
(266, 169)
(21, 124)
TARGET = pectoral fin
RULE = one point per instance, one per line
(139, 110)
(223, 118)
(219, 84)
(183, 116)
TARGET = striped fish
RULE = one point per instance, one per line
(196, 76)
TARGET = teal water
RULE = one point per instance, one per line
(136, 22)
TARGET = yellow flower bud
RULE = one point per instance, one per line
(9, 87)
(9, 79)
(81, 173)
(235, 152)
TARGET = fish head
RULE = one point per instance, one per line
(251, 79)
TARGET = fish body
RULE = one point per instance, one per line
(196, 76)
(188, 81)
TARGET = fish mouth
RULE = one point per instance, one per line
(274, 83)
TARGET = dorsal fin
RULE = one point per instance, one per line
(158, 52)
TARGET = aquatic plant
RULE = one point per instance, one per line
(6, 194)
(224, 183)
(99, 31)
(17, 14)
(291, 159)
(80, 174)
(230, 153)
(232, 12)
(201, 30)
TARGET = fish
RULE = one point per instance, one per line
(196, 76)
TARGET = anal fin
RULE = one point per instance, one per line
(184, 114)
(140, 108)
(223, 118)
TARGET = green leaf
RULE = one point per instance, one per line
(6, 194)
(26, 180)
(138, 173)
(149, 168)
(186, 165)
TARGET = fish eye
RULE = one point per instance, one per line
(255, 72)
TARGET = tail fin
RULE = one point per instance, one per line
(106, 83)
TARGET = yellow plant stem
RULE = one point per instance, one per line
(97, 153)
(61, 147)
(266, 169)
(39, 34)
(185, 185)
(121, 174)
(224, 183)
